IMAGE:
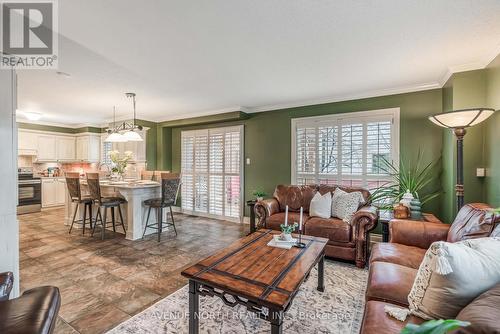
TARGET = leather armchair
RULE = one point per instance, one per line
(34, 312)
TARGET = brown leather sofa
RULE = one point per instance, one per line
(346, 241)
(34, 312)
(394, 265)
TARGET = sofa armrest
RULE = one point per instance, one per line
(362, 222)
(417, 233)
(264, 209)
(6, 282)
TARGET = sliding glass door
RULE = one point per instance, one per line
(211, 166)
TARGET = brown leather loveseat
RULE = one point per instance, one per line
(394, 265)
(346, 241)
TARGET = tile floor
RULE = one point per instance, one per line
(103, 283)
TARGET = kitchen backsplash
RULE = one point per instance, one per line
(133, 169)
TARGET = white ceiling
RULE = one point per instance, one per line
(190, 58)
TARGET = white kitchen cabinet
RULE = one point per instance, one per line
(47, 148)
(65, 148)
(60, 191)
(53, 192)
(27, 142)
(88, 148)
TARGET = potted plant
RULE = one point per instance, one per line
(119, 164)
(413, 177)
(287, 230)
(434, 327)
(259, 195)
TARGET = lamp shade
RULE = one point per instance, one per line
(461, 118)
(115, 137)
(132, 136)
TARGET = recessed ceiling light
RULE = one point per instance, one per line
(32, 116)
(64, 74)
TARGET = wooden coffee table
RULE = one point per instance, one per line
(248, 272)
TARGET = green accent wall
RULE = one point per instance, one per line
(268, 136)
(465, 90)
(492, 136)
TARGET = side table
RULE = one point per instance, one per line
(251, 206)
(385, 216)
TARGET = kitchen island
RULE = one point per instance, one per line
(134, 211)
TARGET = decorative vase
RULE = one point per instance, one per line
(401, 211)
(286, 236)
(259, 198)
(416, 209)
(407, 198)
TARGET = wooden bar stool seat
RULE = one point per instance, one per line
(170, 185)
(74, 190)
(103, 204)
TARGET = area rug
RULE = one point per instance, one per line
(337, 310)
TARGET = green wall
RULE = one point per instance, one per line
(492, 136)
(468, 90)
(268, 136)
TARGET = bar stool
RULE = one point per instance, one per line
(74, 190)
(170, 185)
(103, 203)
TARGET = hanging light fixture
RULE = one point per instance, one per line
(130, 134)
(115, 136)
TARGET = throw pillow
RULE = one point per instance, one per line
(321, 205)
(345, 204)
(451, 276)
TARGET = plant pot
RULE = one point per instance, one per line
(286, 236)
(259, 199)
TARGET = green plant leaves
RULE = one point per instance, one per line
(434, 327)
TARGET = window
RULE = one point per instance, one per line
(106, 148)
(346, 149)
(211, 167)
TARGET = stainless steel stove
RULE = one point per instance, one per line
(29, 191)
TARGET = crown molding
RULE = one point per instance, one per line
(203, 113)
(341, 98)
(61, 125)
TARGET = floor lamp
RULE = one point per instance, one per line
(458, 121)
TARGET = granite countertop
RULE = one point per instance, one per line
(138, 184)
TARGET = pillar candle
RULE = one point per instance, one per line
(286, 215)
(300, 221)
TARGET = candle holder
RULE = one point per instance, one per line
(299, 243)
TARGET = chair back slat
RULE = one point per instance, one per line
(170, 184)
(94, 186)
(73, 184)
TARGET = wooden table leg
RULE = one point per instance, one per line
(276, 319)
(194, 305)
(321, 274)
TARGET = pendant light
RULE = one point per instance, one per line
(115, 136)
(131, 134)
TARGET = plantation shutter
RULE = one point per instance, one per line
(212, 170)
(347, 149)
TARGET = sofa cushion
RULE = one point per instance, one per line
(389, 282)
(483, 313)
(474, 220)
(294, 196)
(274, 221)
(452, 275)
(408, 256)
(321, 206)
(332, 228)
(376, 321)
(323, 188)
(345, 204)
